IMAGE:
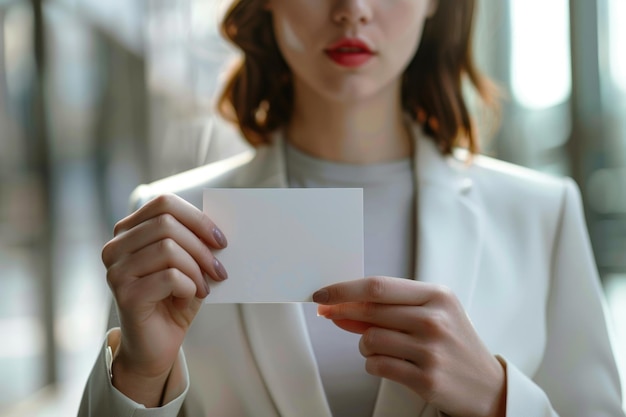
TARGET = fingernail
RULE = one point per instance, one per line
(207, 288)
(322, 311)
(219, 237)
(321, 296)
(219, 269)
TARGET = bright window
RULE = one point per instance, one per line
(541, 76)
(617, 42)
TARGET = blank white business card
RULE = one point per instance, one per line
(285, 244)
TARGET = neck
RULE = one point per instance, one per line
(369, 131)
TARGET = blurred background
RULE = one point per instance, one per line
(97, 97)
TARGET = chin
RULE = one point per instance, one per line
(350, 92)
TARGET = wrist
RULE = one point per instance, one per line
(144, 386)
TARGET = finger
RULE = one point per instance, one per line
(157, 287)
(384, 290)
(396, 317)
(156, 229)
(162, 255)
(352, 326)
(377, 341)
(189, 215)
(397, 370)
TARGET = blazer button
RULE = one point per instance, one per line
(466, 185)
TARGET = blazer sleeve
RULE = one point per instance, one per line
(578, 376)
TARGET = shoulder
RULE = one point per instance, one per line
(489, 179)
(521, 193)
(259, 167)
(189, 184)
(490, 174)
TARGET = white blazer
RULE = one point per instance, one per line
(511, 243)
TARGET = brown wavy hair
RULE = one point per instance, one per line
(258, 95)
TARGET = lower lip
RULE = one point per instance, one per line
(349, 59)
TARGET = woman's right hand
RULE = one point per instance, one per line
(158, 266)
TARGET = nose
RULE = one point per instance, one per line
(352, 12)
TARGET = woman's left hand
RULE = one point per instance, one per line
(418, 334)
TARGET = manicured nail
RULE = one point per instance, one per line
(321, 296)
(219, 237)
(219, 269)
(207, 288)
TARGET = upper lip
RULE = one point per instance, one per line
(350, 43)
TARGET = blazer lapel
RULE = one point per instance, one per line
(450, 223)
(277, 332)
(267, 168)
(284, 355)
(449, 241)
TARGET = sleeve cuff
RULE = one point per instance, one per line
(523, 397)
(175, 391)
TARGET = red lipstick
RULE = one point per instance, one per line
(349, 52)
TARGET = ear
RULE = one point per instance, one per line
(432, 8)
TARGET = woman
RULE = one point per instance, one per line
(502, 314)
